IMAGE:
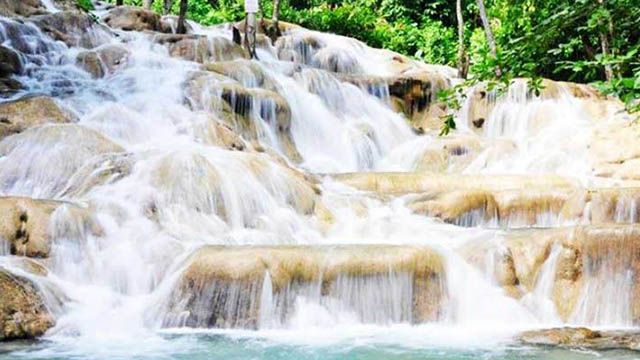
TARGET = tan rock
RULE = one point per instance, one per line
(615, 151)
(104, 60)
(10, 8)
(42, 159)
(229, 280)
(74, 28)
(583, 338)
(587, 254)
(28, 226)
(201, 49)
(204, 193)
(19, 115)
(238, 107)
(130, 18)
(23, 314)
(217, 133)
(101, 170)
(424, 182)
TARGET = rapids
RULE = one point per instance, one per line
(168, 197)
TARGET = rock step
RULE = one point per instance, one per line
(240, 286)
(510, 201)
(605, 259)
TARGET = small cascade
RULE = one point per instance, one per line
(540, 300)
(386, 291)
(535, 124)
(609, 281)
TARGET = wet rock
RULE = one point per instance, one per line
(24, 225)
(23, 314)
(245, 72)
(507, 208)
(265, 24)
(214, 190)
(298, 47)
(11, 8)
(104, 60)
(603, 205)
(337, 60)
(413, 93)
(451, 153)
(241, 108)
(73, 28)
(215, 132)
(10, 62)
(201, 49)
(9, 87)
(395, 183)
(40, 160)
(27, 225)
(101, 170)
(19, 115)
(222, 286)
(169, 24)
(614, 151)
(131, 18)
(584, 338)
(597, 257)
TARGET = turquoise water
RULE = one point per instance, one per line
(226, 346)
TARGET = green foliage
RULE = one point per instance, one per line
(85, 5)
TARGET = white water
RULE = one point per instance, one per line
(182, 193)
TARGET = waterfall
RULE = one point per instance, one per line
(162, 182)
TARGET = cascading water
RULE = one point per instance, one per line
(172, 195)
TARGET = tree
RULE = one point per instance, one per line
(605, 28)
(167, 6)
(250, 25)
(463, 61)
(119, 2)
(182, 29)
(491, 42)
(275, 17)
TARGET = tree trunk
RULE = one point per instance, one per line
(462, 54)
(181, 17)
(604, 44)
(147, 4)
(489, 34)
(250, 34)
(251, 8)
(275, 17)
(167, 6)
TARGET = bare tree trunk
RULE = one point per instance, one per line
(462, 54)
(275, 17)
(147, 4)
(604, 44)
(250, 34)
(251, 8)
(184, 4)
(489, 34)
(167, 6)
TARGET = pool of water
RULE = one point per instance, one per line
(364, 344)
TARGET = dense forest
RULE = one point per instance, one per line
(588, 41)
